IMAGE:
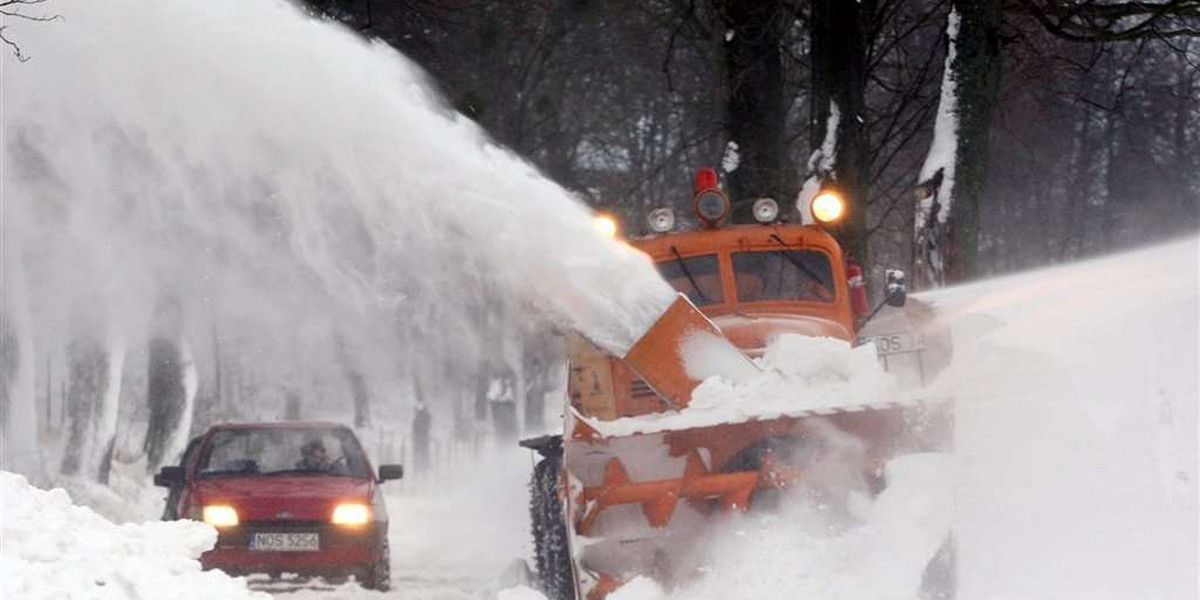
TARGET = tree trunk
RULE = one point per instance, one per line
(977, 68)
(165, 396)
(1185, 160)
(1075, 221)
(170, 388)
(94, 387)
(756, 114)
(18, 416)
(839, 80)
(358, 385)
(99, 463)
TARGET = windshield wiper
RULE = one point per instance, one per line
(309, 471)
(208, 474)
(795, 261)
(295, 472)
(688, 274)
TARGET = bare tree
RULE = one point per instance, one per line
(15, 9)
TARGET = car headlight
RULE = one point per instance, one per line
(351, 514)
(219, 515)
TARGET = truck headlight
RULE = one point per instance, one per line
(351, 514)
(219, 515)
(606, 225)
(828, 207)
(766, 210)
(661, 220)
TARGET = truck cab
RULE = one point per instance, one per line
(626, 488)
(752, 281)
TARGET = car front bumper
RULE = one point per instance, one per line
(342, 550)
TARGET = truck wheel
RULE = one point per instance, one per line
(378, 576)
(552, 554)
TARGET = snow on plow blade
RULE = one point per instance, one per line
(682, 349)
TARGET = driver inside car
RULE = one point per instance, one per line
(314, 457)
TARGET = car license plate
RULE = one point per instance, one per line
(286, 542)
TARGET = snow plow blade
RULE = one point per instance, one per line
(658, 498)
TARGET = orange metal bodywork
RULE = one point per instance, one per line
(837, 316)
(652, 378)
(658, 355)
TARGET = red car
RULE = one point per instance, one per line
(285, 498)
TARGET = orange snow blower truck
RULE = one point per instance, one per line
(627, 488)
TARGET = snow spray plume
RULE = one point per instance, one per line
(289, 182)
(812, 547)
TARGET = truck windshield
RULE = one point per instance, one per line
(279, 451)
(783, 275)
(697, 276)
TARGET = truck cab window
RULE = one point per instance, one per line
(774, 275)
(697, 276)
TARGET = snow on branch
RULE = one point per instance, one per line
(935, 185)
(822, 163)
(1092, 21)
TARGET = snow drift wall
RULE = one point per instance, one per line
(53, 549)
(1076, 393)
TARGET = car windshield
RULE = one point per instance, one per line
(697, 276)
(283, 450)
(783, 275)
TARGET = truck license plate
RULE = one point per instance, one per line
(898, 343)
(286, 542)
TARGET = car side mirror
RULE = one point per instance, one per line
(170, 476)
(389, 472)
(897, 288)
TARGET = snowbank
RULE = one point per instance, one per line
(520, 592)
(1076, 451)
(53, 549)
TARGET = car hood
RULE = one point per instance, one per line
(286, 498)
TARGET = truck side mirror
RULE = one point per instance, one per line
(389, 472)
(170, 476)
(897, 288)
